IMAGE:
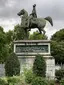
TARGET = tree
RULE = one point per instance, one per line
(19, 33)
(1, 29)
(57, 46)
(39, 66)
(9, 36)
(9, 40)
(57, 50)
(12, 65)
(58, 36)
(3, 47)
(37, 36)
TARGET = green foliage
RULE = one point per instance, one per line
(51, 82)
(39, 81)
(62, 82)
(3, 47)
(13, 80)
(58, 36)
(37, 36)
(59, 74)
(2, 82)
(9, 40)
(16, 80)
(29, 76)
(57, 50)
(9, 36)
(1, 29)
(57, 46)
(39, 66)
(19, 33)
(4, 54)
(12, 65)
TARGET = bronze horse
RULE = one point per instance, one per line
(39, 23)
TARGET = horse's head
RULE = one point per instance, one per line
(21, 12)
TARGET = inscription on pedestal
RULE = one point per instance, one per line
(32, 48)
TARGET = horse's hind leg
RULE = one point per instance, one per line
(40, 30)
(43, 31)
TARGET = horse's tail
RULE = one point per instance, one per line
(49, 19)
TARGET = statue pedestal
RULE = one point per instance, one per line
(26, 50)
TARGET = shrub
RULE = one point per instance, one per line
(12, 65)
(13, 80)
(39, 81)
(39, 66)
(51, 82)
(59, 74)
(3, 82)
(29, 76)
(62, 82)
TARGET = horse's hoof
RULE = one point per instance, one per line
(44, 33)
(29, 29)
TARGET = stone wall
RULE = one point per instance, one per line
(26, 51)
(2, 70)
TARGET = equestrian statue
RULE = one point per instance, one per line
(32, 21)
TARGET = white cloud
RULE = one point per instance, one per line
(8, 24)
(44, 8)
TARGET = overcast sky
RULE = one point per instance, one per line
(44, 8)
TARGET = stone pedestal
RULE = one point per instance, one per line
(26, 51)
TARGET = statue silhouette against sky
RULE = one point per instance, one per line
(34, 11)
(31, 21)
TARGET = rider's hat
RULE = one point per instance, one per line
(34, 5)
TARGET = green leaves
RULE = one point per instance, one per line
(37, 36)
(57, 50)
(57, 46)
(12, 65)
(58, 36)
(39, 81)
(3, 46)
(59, 74)
(39, 66)
(20, 33)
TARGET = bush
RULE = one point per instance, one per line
(12, 65)
(62, 82)
(29, 76)
(59, 74)
(39, 81)
(39, 66)
(51, 82)
(3, 82)
(13, 80)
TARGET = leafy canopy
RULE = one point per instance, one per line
(37, 36)
(57, 46)
(3, 47)
(58, 36)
